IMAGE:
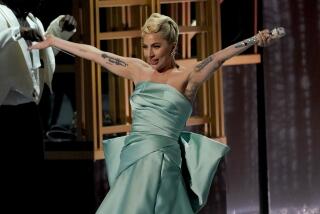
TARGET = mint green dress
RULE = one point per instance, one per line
(159, 168)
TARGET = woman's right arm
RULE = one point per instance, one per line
(121, 66)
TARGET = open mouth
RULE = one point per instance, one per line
(153, 62)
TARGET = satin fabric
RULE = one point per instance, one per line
(145, 168)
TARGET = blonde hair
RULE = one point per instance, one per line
(162, 24)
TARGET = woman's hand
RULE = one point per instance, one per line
(47, 42)
(266, 37)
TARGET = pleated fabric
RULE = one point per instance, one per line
(145, 168)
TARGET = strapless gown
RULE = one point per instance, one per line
(159, 168)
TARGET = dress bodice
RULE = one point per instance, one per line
(159, 109)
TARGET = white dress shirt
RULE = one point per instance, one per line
(21, 76)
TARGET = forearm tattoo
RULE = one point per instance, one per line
(114, 61)
(204, 63)
(251, 41)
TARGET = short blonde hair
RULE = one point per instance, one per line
(162, 24)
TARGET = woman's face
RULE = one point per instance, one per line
(157, 51)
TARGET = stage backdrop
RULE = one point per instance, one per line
(291, 86)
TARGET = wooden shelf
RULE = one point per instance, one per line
(237, 60)
(192, 29)
(128, 16)
(120, 3)
(243, 59)
(180, 1)
(119, 35)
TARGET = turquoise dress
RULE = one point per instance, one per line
(159, 168)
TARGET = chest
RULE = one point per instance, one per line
(176, 79)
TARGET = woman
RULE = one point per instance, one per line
(144, 168)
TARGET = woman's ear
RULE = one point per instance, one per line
(174, 46)
(173, 50)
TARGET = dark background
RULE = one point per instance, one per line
(272, 113)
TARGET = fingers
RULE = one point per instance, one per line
(267, 37)
(68, 23)
(34, 46)
(39, 45)
(264, 38)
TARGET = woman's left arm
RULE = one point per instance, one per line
(205, 68)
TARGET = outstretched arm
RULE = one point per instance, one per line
(121, 66)
(203, 70)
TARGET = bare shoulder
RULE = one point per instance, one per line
(139, 62)
(180, 80)
(140, 69)
(178, 77)
(141, 65)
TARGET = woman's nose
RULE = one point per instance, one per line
(150, 52)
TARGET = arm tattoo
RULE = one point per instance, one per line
(203, 63)
(191, 92)
(251, 41)
(114, 61)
